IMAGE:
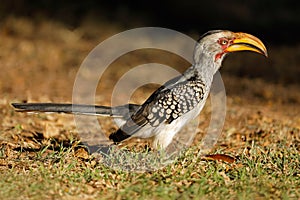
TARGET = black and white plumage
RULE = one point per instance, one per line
(176, 102)
(166, 111)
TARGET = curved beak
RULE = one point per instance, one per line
(247, 42)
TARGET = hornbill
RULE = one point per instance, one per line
(175, 103)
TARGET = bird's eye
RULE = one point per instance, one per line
(223, 42)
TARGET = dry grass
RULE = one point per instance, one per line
(41, 157)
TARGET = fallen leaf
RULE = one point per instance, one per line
(220, 157)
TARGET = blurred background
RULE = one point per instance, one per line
(43, 36)
(275, 21)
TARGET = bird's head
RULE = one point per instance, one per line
(213, 46)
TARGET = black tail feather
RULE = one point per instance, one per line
(119, 111)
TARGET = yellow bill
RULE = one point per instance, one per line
(247, 42)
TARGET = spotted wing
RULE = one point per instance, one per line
(165, 105)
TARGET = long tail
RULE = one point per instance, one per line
(124, 111)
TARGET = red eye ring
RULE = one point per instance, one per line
(223, 42)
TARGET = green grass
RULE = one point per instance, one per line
(259, 173)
